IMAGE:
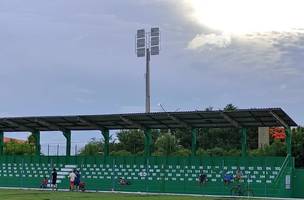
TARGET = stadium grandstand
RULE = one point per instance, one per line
(261, 176)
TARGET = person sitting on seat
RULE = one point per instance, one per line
(82, 186)
(238, 175)
(44, 182)
(202, 178)
(123, 181)
(228, 177)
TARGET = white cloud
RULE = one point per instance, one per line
(271, 52)
(211, 40)
(246, 16)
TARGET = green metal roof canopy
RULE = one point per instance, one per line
(268, 117)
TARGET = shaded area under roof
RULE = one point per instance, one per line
(268, 117)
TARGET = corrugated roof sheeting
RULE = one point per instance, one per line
(269, 117)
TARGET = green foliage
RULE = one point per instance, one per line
(131, 140)
(233, 152)
(94, 147)
(166, 144)
(202, 152)
(184, 137)
(226, 138)
(277, 148)
(182, 152)
(15, 148)
(31, 139)
(230, 107)
(120, 153)
(217, 151)
(210, 108)
(140, 153)
(298, 146)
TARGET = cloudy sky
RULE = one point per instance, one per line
(61, 57)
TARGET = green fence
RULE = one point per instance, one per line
(265, 176)
(298, 179)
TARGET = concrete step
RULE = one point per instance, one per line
(63, 173)
(70, 166)
(66, 169)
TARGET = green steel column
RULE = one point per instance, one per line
(106, 137)
(194, 141)
(288, 140)
(67, 135)
(1, 142)
(244, 141)
(148, 142)
(36, 135)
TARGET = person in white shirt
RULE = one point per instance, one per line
(72, 177)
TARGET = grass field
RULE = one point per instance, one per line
(49, 195)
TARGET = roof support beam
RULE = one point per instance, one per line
(194, 132)
(184, 124)
(67, 135)
(128, 121)
(12, 123)
(106, 137)
(36, 135)
(279, 119)
(288, 141)
(1, 143)
(244, 132)
(230, 120)
(256, 119)
(148, 142)
(159, 121)
(98, 127)
(50, 125)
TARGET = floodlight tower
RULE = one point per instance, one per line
(147, 44)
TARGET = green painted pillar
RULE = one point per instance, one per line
(106, 137)
(36, 135)
(194, 141)
(148, 142)
(244, 141)
(1, 143)
(67, 135)
(288, 140)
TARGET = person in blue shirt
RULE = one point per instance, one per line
(227, 178)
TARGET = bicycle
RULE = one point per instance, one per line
(239, 190)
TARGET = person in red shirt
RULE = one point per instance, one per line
(44, 183)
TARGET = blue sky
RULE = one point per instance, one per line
(64, 57)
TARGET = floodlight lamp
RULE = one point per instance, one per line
(141, 33)
(155, 32)
(154, 41)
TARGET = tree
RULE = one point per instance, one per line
(298, 146)
(230, 107)
(120, 153)
(184, 137)
(31, 139)
(210, 108)
(17, 148)
(225, 138)
(131, 140)
(166, 144)
(94, 147)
